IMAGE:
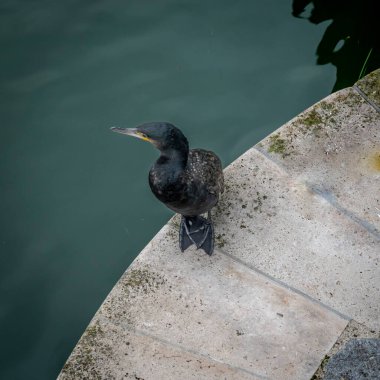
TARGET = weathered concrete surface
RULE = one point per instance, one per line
(359, 360)
(221, 310)
(353, 330)
(331, 154)
(298, 256)
(280, 226)
(334, 148)
(107, 352)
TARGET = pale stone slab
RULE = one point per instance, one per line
(334, 147)
(223, 310)
(106, 351)
(273, 222)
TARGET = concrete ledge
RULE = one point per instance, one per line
(298, 251)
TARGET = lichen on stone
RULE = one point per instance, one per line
(93, 331)
(259, 201)
(82, 363)
(175, 222)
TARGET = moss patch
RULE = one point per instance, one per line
(317, 376)
(175, 222)
(92, 332)
(317, 119)
(220, 240)
(142, 280)
(277, 145)
(82, 364)
(311, 118)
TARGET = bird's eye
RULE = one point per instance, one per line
(143, 135)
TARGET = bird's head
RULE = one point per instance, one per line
(164, 136)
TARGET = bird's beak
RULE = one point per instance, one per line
(131, 132)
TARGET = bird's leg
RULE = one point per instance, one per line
(197, 230)
(190, 232)
(207, 243)
(205, 226)
(185, 239)
(195, 221)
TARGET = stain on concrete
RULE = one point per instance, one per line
(374, 161)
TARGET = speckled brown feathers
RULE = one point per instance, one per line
(190, 190)
(205, 167)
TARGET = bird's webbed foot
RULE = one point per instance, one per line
(196, 230)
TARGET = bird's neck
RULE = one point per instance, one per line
(173, 157)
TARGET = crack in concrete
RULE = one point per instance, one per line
(284, 285)
(182, 348)
(365, 97)
(328, 198)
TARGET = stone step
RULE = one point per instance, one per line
(297, 257)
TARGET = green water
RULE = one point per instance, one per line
(75, 205)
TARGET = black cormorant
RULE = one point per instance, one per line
(188, 181)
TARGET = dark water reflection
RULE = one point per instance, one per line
(351, 41)
(75, 205)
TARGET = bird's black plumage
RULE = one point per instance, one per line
(188, 181)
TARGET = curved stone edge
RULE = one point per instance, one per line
(333, 146)
(369, 88)
(315, 199)
(151, 314)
